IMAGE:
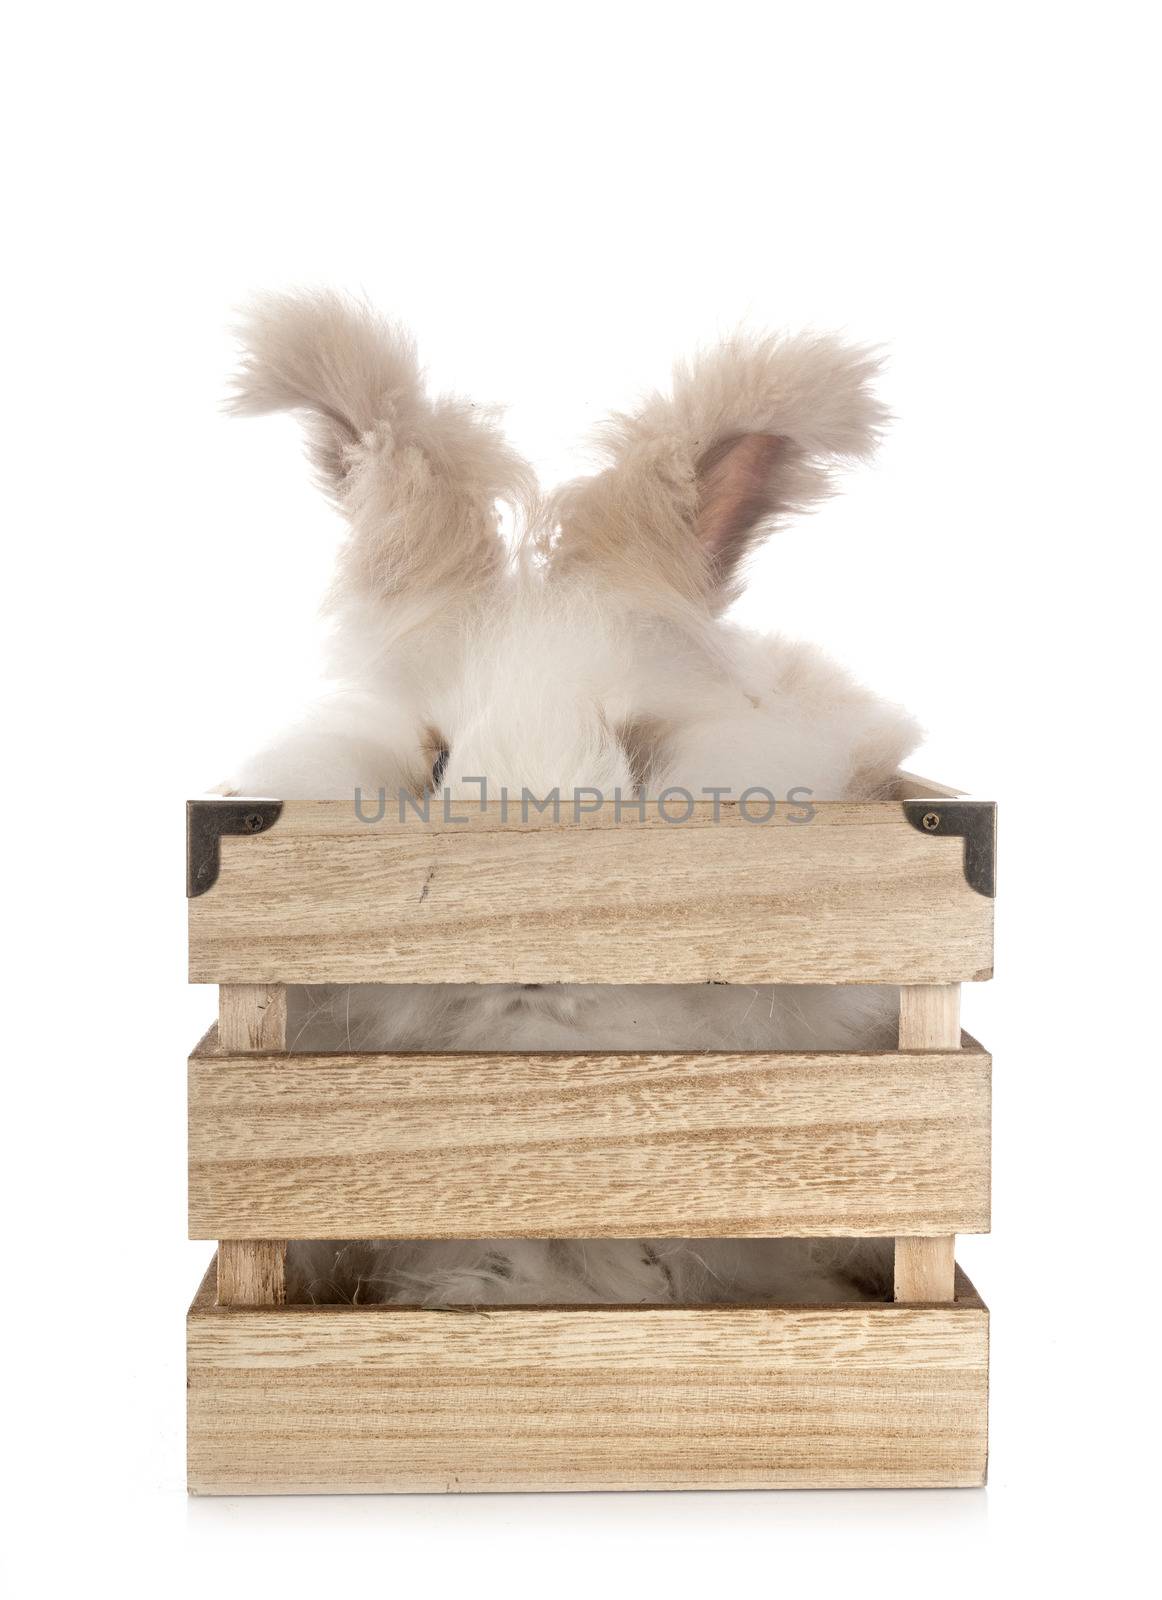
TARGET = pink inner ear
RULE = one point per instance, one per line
(734, 492)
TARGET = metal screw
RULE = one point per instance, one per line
(931, 820)
(253, 821)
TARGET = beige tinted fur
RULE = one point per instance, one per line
(419, 479)
(638, 522)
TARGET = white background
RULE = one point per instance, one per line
(559, 199)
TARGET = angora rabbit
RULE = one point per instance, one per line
(593, 654)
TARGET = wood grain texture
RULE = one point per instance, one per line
(366, 1400)
(925, 1269)
(929, 1020)
(252, 1016)
(857, 895)
(929, 1016)
(251, 1272)
(542, 1146)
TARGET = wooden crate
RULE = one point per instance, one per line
(286, 1145)
(326, 1399)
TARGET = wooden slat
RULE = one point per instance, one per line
(925, 1269)
(251, 1271)
(252, 1016)
(542, 1146)
(352, 1400)
(857, 895)
(929, 1020)
(930, 1016)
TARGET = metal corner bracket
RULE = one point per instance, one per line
(207, 821)
(974, 821)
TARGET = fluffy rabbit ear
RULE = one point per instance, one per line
(418, 479)
(697, 478)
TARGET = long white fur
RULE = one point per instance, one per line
(592, 655)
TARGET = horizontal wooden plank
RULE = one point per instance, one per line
(856, 895)
(366, 1400)
(586, 1146)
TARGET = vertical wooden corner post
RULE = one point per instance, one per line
(929, 1020)
(251, 1272)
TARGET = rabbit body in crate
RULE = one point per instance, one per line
(590, 654)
